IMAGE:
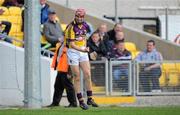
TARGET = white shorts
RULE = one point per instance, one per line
(75, 56)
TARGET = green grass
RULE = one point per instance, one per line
(97, 111)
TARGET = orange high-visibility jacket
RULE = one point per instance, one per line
(62, 64)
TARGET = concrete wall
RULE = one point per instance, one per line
(126, 8)
(136, 36)
(12, 76)
(66, 15)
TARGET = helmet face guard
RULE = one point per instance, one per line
(79, 16)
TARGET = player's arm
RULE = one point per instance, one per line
(74, 46)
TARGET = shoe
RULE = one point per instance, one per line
(52, 105)
(71, 105)
(84, 106)
(91, 102)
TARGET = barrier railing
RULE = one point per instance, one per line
(99, 74)
(120, 77)
(117, 77)
(163, 80)
(43, 51)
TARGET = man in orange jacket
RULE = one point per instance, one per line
(63, 80)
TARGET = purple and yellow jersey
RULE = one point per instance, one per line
(77, 34)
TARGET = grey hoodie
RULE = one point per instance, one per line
(52, 32)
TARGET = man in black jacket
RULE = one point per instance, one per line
(102, 29)
(112, 33)
(97, 48)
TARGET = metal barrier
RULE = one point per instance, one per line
(163, 80)
(129, 78)
(120, 80)
(44, 52)
(99, 76)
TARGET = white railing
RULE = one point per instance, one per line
(117, 77)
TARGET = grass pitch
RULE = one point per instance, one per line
(96, 111)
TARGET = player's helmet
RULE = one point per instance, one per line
(80, 12)
(79, 15)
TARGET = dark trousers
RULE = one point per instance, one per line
(149, 80)
(7, 27)
(63, 82)
(7, 30)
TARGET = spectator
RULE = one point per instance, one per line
(44, 11)
(4, 32)
(150, 72)
(119, 51)
(97, 48)
(117, 28)
(120, 72)
(63, 79)
(103, 32)
(103, 35)
(52, 29)
(118, 36)
(18, 3)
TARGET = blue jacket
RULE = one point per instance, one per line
(44, 14)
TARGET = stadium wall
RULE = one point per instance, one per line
(12, 76)
(126, 8)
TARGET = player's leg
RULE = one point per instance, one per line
(73, 60)
(76, 75)
(85, 66)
